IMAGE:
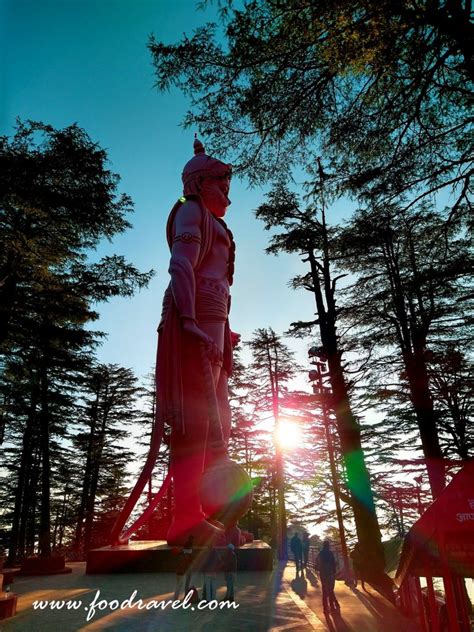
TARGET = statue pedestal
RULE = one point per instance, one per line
(52, 565)
(155, 556)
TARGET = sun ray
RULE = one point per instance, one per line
(288, 434)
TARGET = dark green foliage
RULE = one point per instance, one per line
(452, 383)
(412, 296)
(383, 89)
(110, 405)
(57, 201)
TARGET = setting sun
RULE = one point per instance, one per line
(288, 435)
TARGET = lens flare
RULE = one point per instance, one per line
(288, 435)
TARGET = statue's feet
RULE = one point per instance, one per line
(204, 533)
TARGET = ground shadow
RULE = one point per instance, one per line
(337, 623)
(312, 577)
(373, 605)
(300, 586)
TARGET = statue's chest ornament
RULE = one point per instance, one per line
(231, 246)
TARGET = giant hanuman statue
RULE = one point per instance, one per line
(194, 362)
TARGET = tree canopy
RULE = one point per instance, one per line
(382, 89)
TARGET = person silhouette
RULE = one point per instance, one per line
(305, 549)
(296, 547)
(327, 575)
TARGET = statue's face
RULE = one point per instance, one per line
(214, 193)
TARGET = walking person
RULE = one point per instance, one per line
(230, 569)
(182, 566)
(209, 569)
(305, 549)
(188, 551)
(327, 575)
(296, 547)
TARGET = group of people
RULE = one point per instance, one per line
(300, 550)
(209, 563)
(212, 561)
(326, 565)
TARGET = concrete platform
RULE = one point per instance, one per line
(155, 556)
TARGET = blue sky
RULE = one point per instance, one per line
(86, 61)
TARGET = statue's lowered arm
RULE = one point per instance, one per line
(184, 257)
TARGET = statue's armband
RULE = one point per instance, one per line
(185, 252)
(187, 233)
(187, 238)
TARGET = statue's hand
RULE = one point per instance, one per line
(214, 353)
(235, 338)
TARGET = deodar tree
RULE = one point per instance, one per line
(411, 296)
(305, 232)
(382, 89)
(58, 199)
(272, 367)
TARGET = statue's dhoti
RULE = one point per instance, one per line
(190, 426)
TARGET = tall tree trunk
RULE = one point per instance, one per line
(90, 507)
(422, 401)
(95, 471)
(282, 526)
(273, 511)
(63, 516)
(19, 516)
(28, 529)
(8, 286)
(411, 335)
(45, 518)
(358, 480)
(86, 483)
(279, 464)
(55, 527)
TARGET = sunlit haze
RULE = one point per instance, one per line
(288, 435)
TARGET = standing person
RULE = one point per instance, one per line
(327, 575)
(357, 565)
(209, 569)
(181, 570)
(188, 552)
(296, 547)
(230, 569)
(233, 534)
(305, 549)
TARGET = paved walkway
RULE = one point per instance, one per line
(268, 602)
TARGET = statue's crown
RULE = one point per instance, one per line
(198, 146)
(202, 165)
